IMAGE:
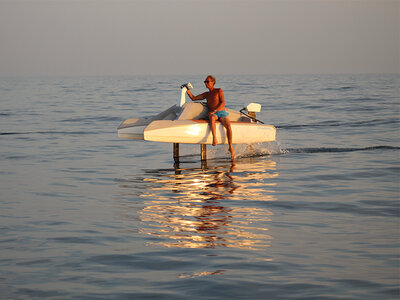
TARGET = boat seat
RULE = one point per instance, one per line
(199, 111)
(194, 111)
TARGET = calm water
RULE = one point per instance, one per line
(86, 215)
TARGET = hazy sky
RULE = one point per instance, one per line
(115, 37)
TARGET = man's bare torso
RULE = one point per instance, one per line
(213, 99)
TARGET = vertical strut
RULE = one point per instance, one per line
(176, 152)
(203, 149)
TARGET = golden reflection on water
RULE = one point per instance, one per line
(201, 274)
(207, 207)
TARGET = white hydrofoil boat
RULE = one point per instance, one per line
(187, 123)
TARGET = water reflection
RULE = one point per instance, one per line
(208, 207)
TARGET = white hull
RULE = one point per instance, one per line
(195, 132)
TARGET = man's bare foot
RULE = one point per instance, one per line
(214, 143)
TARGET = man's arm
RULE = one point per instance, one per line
(198, 97)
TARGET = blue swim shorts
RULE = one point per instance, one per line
(221, 114)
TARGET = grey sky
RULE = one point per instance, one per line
(115, 37)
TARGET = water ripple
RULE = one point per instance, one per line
(338, 150)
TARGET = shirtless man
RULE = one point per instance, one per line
(216, 110)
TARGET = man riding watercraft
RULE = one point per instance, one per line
(216, 110)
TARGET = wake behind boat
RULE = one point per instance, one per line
(187, 123)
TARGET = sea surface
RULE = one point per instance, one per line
(86, 215)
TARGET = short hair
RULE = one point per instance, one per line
(212, 78)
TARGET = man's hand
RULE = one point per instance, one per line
(187, 86)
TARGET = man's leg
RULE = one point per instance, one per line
(227, 124)
(213, 119)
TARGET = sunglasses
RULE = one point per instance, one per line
(206, 81)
